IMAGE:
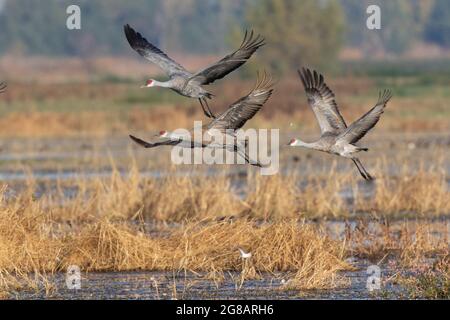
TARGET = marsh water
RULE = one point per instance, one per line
(158, 285)
(51, 161)
(70, 159)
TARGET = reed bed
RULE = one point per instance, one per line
(101, 107)
(409, 244)
(413, 193)
(194, 196)
(170, 116)
(195, 223)
(410, 193)
(33, 242)
(430, 282)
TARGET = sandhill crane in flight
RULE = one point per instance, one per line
(227, 124)
(336, 138)
(2, 87)
(190, 84)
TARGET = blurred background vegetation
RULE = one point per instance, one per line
(309, 31)
(87, 81)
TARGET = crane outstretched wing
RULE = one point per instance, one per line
(231, 62)
(321, 99)
(2, 87)
(145, 144)
(360, 127)
(245, 108)
(154, 54)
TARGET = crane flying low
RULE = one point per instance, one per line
(227, 123)
(184, 82)
(336, 138)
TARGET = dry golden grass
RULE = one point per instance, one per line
(414, 192)
(423, 192)
(321, 195)
(178, 196)
(411, 243)
(84, 106)
(105, 232)
(272, 197)
(93, 123)
(174, 198)
(136, 119)
(196, 223)
(189, 198)
(33, 241)
(430, 282)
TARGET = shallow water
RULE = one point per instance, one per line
(159, 285)
(74, 157)
(88, 152)
(50, 161)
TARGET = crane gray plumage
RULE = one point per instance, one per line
(245, 108)
(227, 123)
(360, 127)
(164, 142)
(186, 83)
(154, 54)
(231, 62)
(336, 138)
(321, 99)
(2, 87)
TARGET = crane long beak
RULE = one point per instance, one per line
(292, 142)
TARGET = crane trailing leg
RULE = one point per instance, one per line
(362, 170)
(206, 110)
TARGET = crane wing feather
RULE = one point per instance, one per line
(230, 62)
(358, 129)
(245, 108)
(163, 142)
(154, 54)
(321, 99)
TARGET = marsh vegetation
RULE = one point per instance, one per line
(75, 191)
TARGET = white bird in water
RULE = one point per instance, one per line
(184, 82)
(245, 255)
(336, 138)
(226, 124)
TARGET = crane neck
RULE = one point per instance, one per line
(175, 137)
(300, 143)
(165, 84)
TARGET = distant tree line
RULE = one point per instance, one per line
(298, 31)
(307, 30)
(403, 23)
